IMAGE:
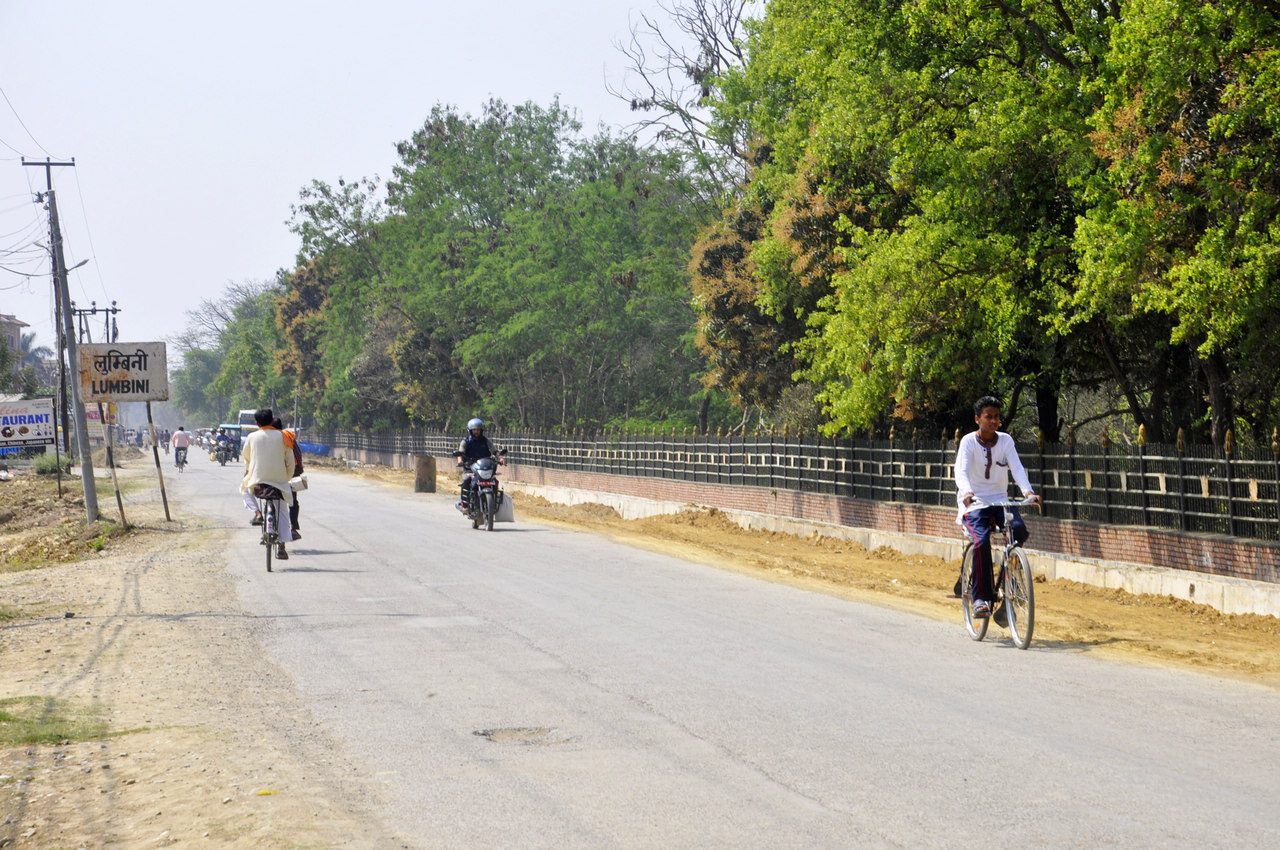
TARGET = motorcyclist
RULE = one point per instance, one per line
(222, 441)
(475, 446)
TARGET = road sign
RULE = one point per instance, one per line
(124, 371)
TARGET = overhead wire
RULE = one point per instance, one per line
(22, 124)
(93, 251)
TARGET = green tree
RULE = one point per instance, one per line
(1183, 228)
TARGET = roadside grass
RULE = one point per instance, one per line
(47, 720)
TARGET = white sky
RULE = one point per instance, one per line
(194, 126)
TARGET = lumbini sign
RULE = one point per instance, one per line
(124, 371)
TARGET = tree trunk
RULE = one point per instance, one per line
(1047, 405)
(1217, 375)
(1121, 377)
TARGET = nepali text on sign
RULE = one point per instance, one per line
(124, 371)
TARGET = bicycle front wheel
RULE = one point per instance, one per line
(976, 626)
(1020, 598)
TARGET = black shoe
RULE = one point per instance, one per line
(297, 535)
(281, 554)
(257, 520)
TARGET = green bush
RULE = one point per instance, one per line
(47, 464)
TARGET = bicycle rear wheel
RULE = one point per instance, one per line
(1020, 598)
(269, 533)
(976, 626)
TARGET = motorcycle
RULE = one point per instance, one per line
(484, 496)
(222, 454)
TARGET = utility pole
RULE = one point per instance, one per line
(69, 341)
(48, 166)
(77, 409)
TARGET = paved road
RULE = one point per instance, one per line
(534, 687)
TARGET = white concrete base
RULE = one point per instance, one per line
(1226, 594)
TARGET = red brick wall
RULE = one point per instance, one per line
(1217, 555)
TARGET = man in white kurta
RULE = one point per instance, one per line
(267, 461)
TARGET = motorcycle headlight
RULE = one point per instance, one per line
(485, 474)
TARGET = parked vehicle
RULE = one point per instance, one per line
(484, 496)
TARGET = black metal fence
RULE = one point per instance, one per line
(1194, 488)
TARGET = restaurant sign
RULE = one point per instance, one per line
(124, 371)
(27, 423)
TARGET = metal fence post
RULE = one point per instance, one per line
(1071, 469)
(1275, 473)
(1184, 519)
(1106, 475)
(1228, 449)
(1142, 474)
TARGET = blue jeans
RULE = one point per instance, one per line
(979, 526)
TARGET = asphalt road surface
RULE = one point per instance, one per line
(536, 687)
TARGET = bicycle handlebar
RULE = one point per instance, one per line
(979, 502)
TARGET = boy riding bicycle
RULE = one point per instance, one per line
(984, 461)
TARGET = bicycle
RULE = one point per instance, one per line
(180, 457)
(270, 510)
(1013, 586)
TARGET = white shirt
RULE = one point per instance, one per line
(266, 460)
(984, 472)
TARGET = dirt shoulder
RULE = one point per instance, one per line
(159, 720)
(172, 728)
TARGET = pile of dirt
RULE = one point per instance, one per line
(38, 525)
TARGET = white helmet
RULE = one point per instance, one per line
(474, 424)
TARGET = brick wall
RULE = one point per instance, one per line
(1211, 554)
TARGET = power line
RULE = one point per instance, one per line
(93, 251)
(23, 124)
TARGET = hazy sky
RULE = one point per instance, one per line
(194, 126)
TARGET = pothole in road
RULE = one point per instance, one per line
(520, 735)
